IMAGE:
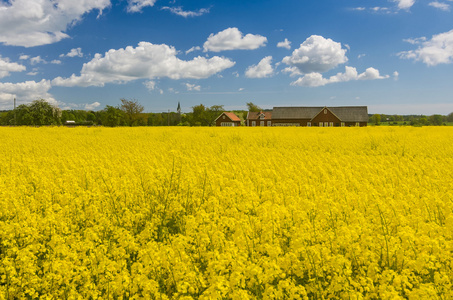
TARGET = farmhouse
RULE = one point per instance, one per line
(320, 116)
(310, 116)
(262, 118)
(228, 119)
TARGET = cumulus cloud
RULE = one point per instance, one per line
(196, 48)
(24, 92)
(437, 50)
(37, 60)
(262, 70)
(134, 6)
(6, 67)
(396, 75)
(316, 79)
(183, 13)
(440, 5)
(150, 85)
(285, 44)
(73, 53)
(92, 106)
(192, 87)
(404, 4)
(316, 54)
(232, 39)
(32, 23)
(146, 61)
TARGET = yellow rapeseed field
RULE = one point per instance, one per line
(226, 213)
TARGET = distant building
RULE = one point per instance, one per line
(262, 119)
(228, 119)
(339, 116)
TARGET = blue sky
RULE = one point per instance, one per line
(395, 56)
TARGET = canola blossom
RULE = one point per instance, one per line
(226, 213)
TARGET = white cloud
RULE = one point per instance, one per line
(241, 89)
(56, 62)
(146, 61)
(294, 71)
(150, 85)
(404, 4)
(24, 57)
(137, 5)
(380, 9)
(359, 8)
(262, 70)
(316, 79)
(316, 54)
(92, 106)
(73, 53)
(415, 41)
(33, 73)
(6, 67)
(360, 56)
(440, 5)
(180, 12)
(37, 60)
(396, 75)
(192, 87)
(32, 23)
(285, 44)
(232, 39)
(196, 48)
(24, 92)
(438, 50)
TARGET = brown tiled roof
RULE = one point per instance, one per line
(344, 113)
(256, 115)
(232, 116)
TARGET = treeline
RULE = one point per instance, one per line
(131, 113)
(128, 113)
(413, 120)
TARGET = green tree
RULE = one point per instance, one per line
(376, 119)
(450, 117)
(436, 120)
(204, 116)
(253, 107)
(38, 113)
(112, 116)
(132, 112)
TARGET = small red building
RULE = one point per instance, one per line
(228, 119)
(261, 119)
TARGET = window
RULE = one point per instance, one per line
(269, 123)
(320, 124)
(357, 124)
(331, 124)
(253, 123)
(224, 117)
(287, 124)
(261, 116)
(342, 124)
(309, 124)
(227, 124)
(261, 123)
(325, 111)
